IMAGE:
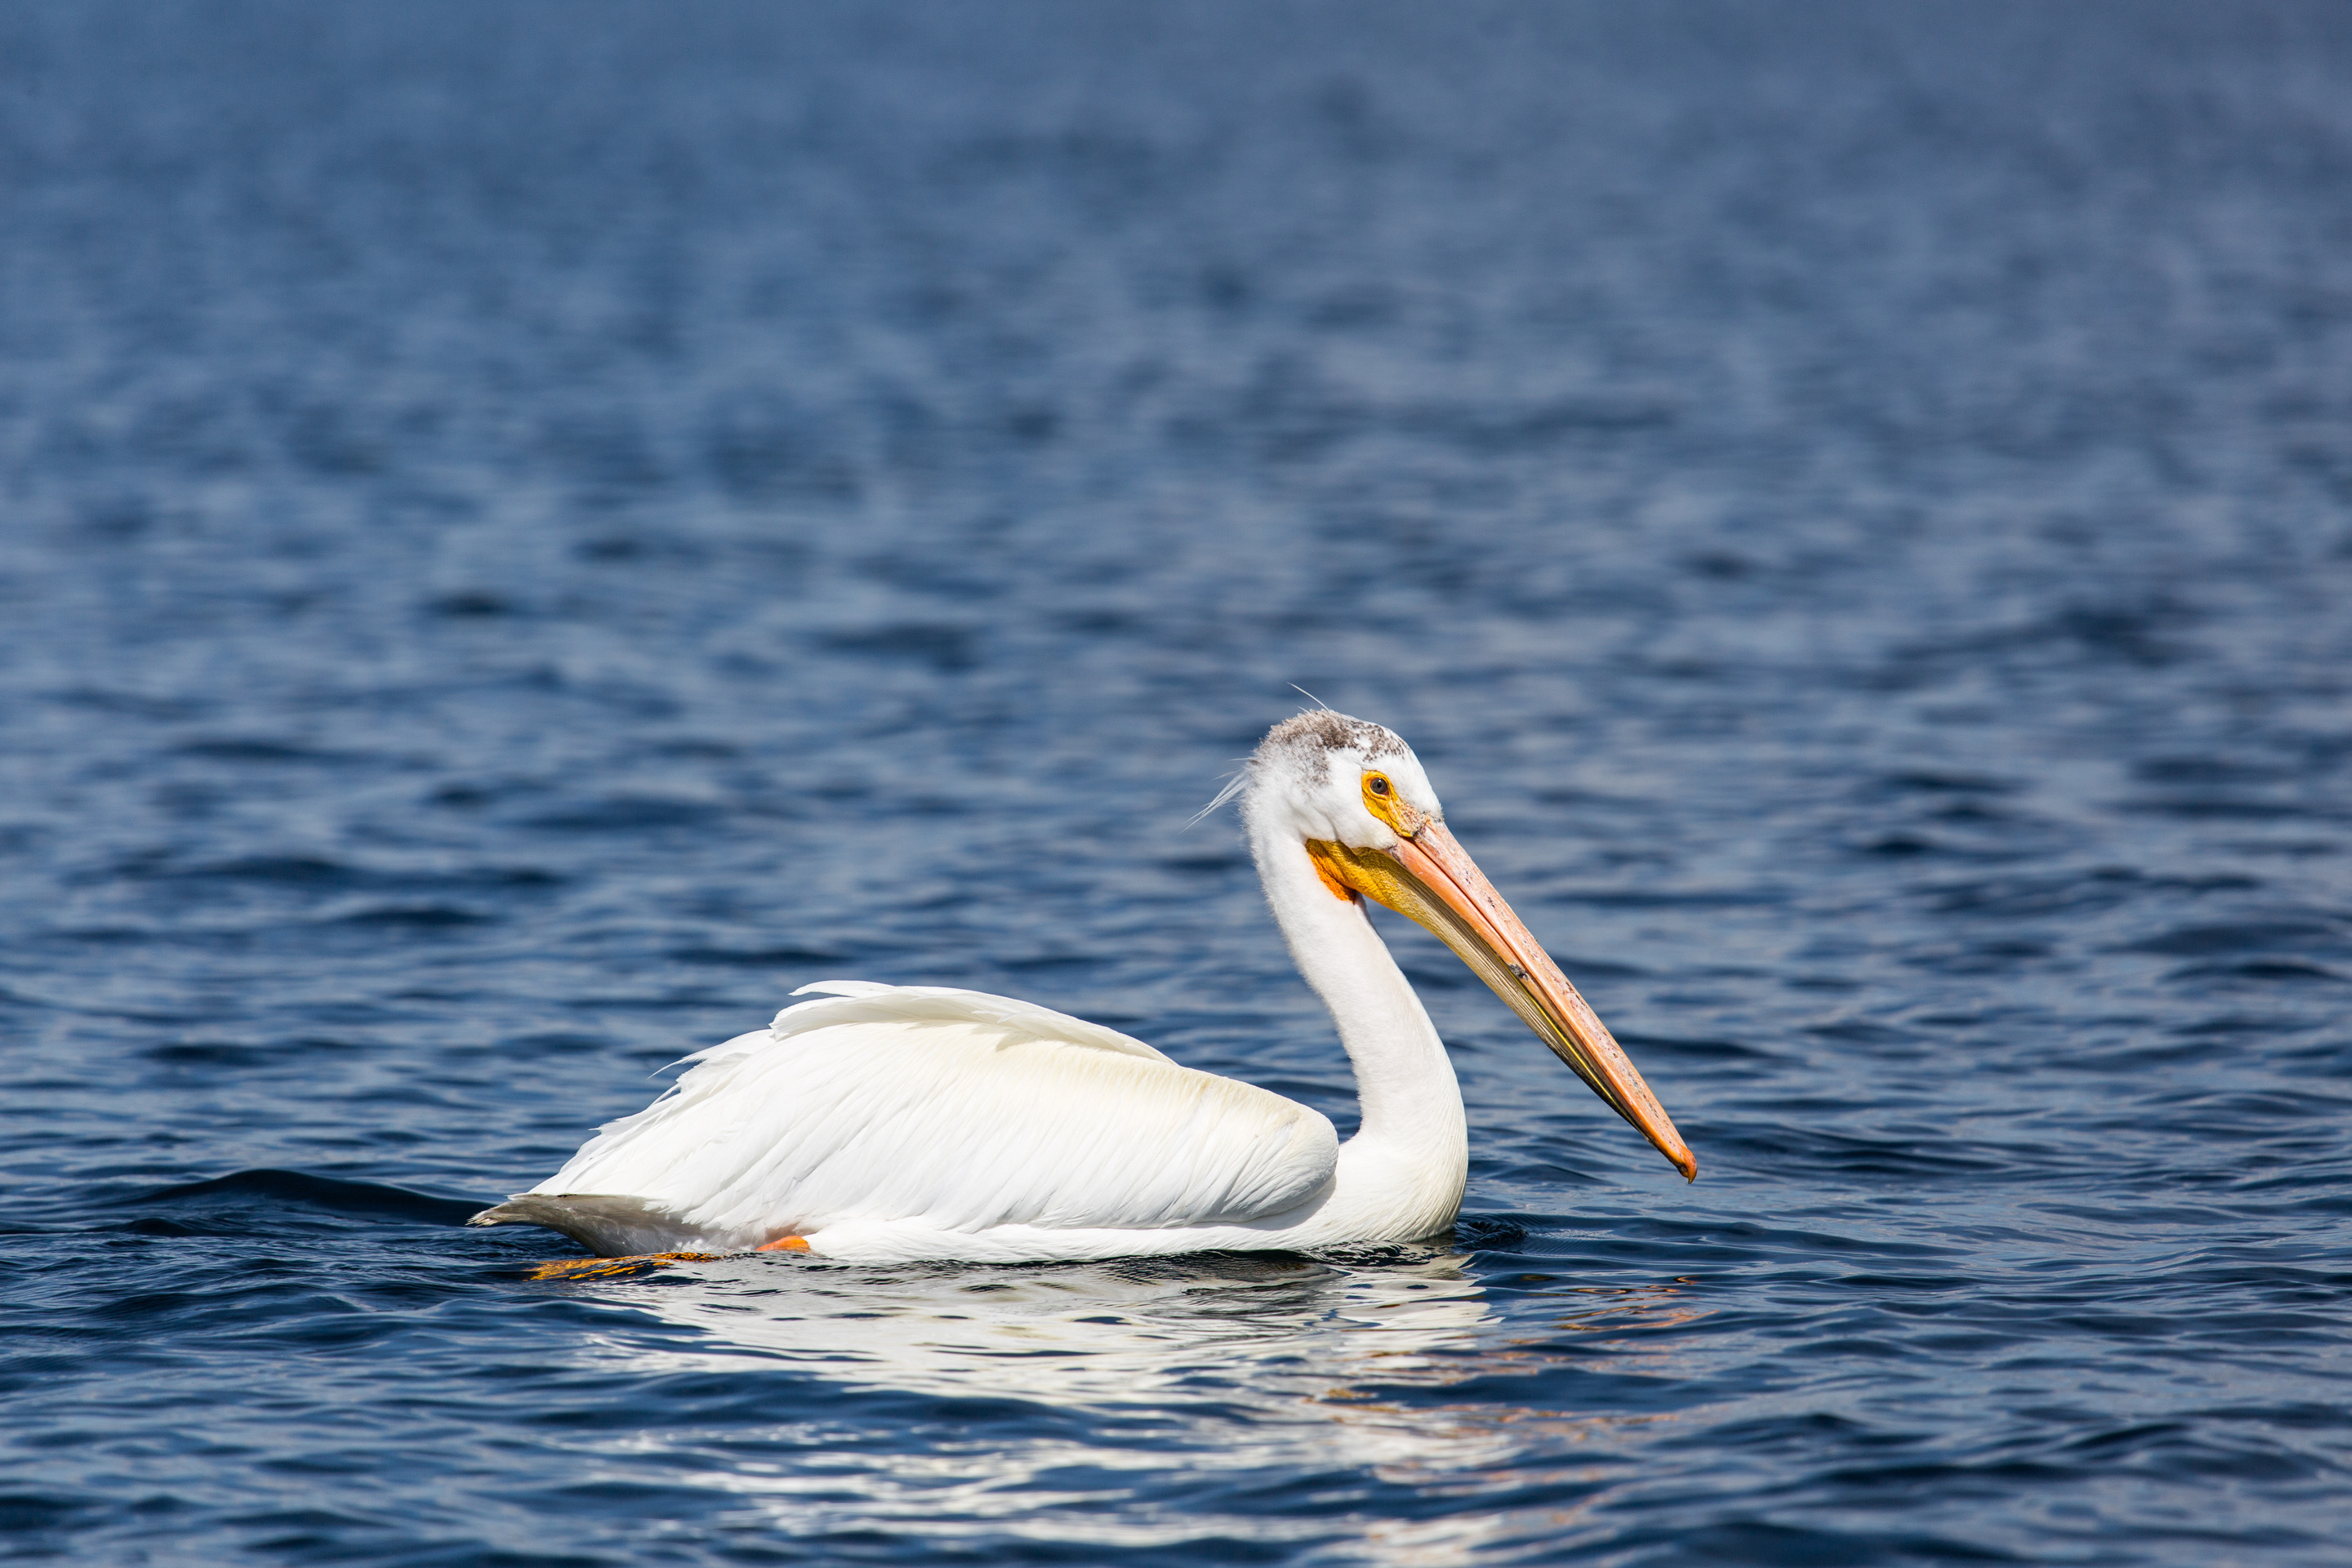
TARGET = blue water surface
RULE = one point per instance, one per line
(527, 531)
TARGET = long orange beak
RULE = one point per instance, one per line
(1431, 879)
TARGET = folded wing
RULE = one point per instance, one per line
(953, 1109)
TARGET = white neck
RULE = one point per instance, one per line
(1411, 1155)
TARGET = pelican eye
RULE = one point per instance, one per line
(1383, 801)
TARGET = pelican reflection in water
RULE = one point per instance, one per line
(1221, 1372)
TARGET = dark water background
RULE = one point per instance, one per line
(531, 531)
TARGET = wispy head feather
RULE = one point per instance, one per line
(1234, 786)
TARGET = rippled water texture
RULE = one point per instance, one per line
(532, 531)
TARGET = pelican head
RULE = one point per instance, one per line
(1354, 799)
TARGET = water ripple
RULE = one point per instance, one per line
(527, 538)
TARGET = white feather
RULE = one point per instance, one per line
(937, 1110)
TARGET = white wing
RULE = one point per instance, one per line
(958, 1112)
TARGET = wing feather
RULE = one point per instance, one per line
(959, 1111)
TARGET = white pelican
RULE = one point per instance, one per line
(888, 1123)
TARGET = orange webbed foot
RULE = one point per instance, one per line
(605, 1268)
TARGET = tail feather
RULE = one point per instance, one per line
(609, 1225)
